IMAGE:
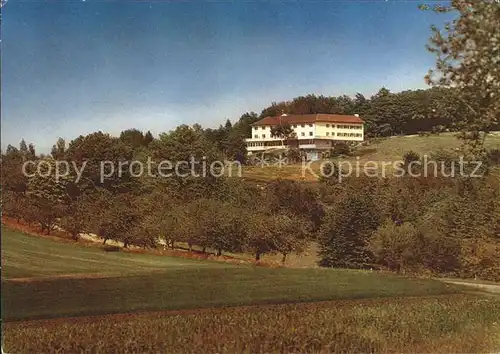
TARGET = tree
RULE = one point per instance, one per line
(236, 149)
(48, 194)
(59, 149)
(16, 205)
(244, 124)
(409, 165)
(467, 51)
(345, 231)
(23, 148)
(262, 235)
(116, 218)
(100, 155)
(133, 138)
(396, 246)
(76, 216)
(13, 178)
(296, 199)
(284, 131)
(191, 156)
(148, 138)
(340, 148)
(31, 152)
(223, 225)
(291, 234)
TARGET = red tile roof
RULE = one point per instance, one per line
(309, 118)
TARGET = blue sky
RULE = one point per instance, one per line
(71, 68)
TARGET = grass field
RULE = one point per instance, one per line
(441, 324)
(28, 256)
(386, 150)
(45, 283)
(167, 283)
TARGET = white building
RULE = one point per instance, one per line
(315, 133)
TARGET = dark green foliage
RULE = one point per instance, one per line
(340, 148)
(295, 198)
(135, 139)
(93, 151)
(345, 231)
(411, 164)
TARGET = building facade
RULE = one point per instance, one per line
(314, 133)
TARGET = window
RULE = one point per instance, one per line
(302, 125)
(310, 133)
(263, 136)
(263, 127)
(310, 125)
(303, 134)
(328, 125)
(327, 133)
(295, 125)
(256, 136)
(333, 126)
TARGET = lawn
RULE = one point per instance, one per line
(148, 303)
(187, 288)
(31, 256)
(439, 324)
(138, 282)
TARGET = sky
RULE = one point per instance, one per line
(72, 68)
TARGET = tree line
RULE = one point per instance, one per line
(436, 224)
(444, 225)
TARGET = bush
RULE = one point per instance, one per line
(493, 157)
(109, 248)
(345, 231)
(396, 246)
(340, 148)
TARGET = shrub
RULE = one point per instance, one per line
(109, 248)
(340, 148)
(396, 246)
(345, 231)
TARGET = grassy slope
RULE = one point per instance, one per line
(180, 283)
(203, 287)
(394, 148)
(444, 324)
(388, 150)
(30, 256)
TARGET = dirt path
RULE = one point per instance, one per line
(488, 287)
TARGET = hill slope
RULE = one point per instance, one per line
(30, 256)
(136, 282)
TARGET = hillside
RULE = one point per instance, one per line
(384, 150)
(147, 282)
(26, 256)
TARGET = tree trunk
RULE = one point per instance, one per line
(172, 244)
(219, 252)
(125, 244)
(204, 250)
(283, 259)
(190, 247)
(257, 256)
(104, 242)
